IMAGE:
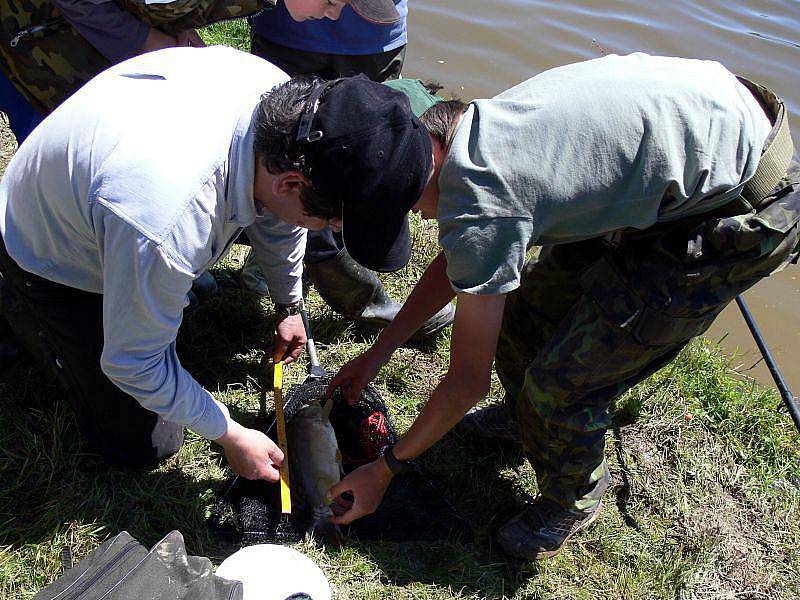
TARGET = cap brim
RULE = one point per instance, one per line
(382, 12)
(376, 242)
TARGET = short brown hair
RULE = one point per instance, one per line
(441, 118)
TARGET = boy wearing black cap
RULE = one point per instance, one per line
(660, 188)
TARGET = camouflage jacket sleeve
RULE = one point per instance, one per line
(180, 15)
(47, 58)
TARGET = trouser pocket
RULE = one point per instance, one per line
(620, 300)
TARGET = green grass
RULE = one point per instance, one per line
(705, 500)
(234, 33)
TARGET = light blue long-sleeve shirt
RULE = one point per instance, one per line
(133, 187)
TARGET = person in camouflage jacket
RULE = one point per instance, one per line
(47, 58)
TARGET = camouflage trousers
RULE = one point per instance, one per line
(591, 319)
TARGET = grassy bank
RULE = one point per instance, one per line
(705, 500)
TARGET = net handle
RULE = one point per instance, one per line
(311, 347)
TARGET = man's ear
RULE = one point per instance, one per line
(288, 183)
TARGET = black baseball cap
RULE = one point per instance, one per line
(383, 12)
(360, 144)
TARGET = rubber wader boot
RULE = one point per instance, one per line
(356, 293)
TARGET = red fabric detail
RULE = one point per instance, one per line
(374, 435)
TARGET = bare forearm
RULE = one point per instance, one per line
(477, 324)
(430, 294)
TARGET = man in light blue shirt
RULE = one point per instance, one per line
(118, 201)
(132, 188)
(127, 211)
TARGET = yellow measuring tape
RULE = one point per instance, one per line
(277, 385)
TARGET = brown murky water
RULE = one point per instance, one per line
(478, 48)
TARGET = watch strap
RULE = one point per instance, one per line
(288, 310)
(396, 466)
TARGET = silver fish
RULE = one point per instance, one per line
(315, 464)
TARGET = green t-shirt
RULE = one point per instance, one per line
(588, 148)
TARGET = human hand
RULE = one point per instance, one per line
(354, 376)
(367, 484)
(250, 453)
(190, 37)
(290, 337)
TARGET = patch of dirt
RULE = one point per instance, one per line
(684, 476)
(732, 532)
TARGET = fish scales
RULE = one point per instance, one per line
(315, 465)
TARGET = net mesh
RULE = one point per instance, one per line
(413, 508)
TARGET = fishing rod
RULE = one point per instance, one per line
(786, 394)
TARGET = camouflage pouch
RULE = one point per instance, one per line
(753, 245)
(652, 325)
(670, 288)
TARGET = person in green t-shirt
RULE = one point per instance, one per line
(646, 182)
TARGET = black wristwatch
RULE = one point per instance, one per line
(396, 466)
(288, 310)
